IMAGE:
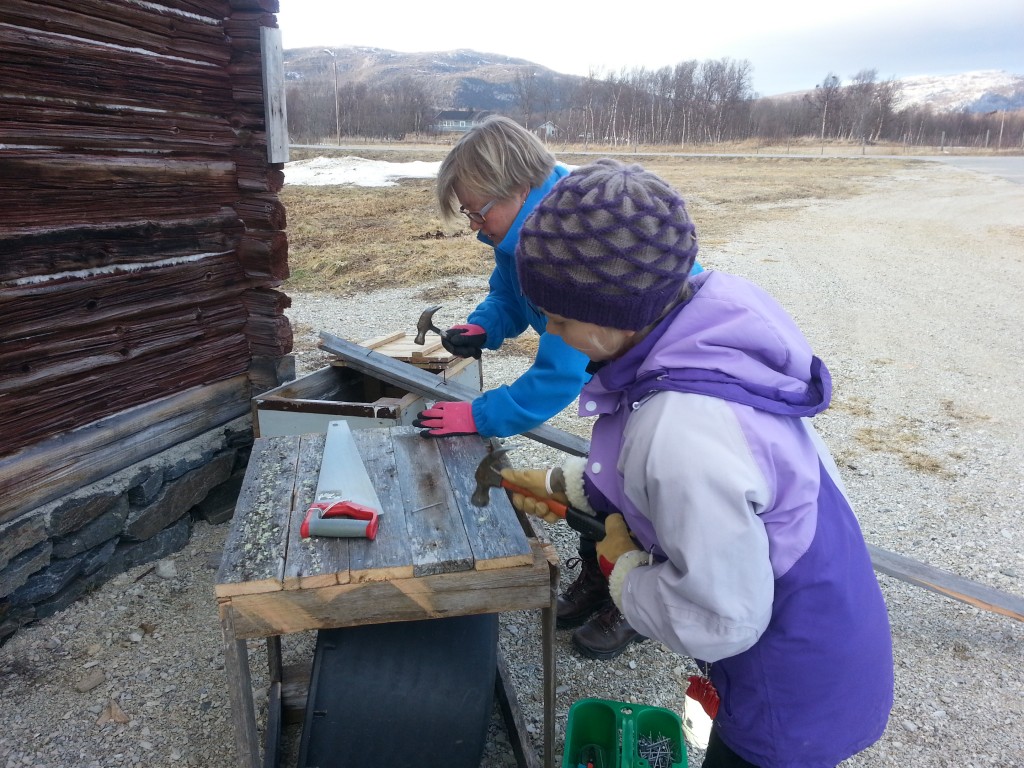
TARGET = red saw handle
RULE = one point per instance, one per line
(326, 510)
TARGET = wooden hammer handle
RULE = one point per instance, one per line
(555, 506)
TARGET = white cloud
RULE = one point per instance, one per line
(790, 44)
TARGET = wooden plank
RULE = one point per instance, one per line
(274, 105)
(495, 534)
(56, 466)
(389, 556)
(427, 350)
(378, 602)
(313, 562)
(945, 583)
(437, 536)
(379, 341)
(254, 553)
(428, 385)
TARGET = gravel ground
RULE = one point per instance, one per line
(911, 293)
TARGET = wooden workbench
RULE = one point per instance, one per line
(435, 555)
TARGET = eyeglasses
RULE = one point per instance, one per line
(477, 217)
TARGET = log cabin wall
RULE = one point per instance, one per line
(141, 244)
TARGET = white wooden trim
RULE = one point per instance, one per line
(275, 111)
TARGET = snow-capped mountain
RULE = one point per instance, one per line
(981, 91)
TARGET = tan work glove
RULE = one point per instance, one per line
(617, 555)
(533, 487)
(616, 542)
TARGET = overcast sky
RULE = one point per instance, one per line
(790, 44)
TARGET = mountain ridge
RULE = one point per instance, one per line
(470, 79)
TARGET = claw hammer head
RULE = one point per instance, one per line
(488, 475)
(426, 323)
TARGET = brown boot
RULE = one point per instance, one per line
(606, 635)
(589, 593)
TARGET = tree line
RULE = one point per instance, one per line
(690, 104)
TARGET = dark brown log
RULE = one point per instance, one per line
(49, 250)
(89, 73)
(86, 126)
(262, 212)
(268, 329)
(125, 155)
(60, 352)
(269, 337)
(217, 8)
(65, 190)
(61, 405)
(243, 24)
(248, 90)
(108, 22)
(264, 255)
(33, 309)
(270, 6)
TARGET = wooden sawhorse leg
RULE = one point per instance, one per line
(243, 709)
(548, 649)
(525, 753)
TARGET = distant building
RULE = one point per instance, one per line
(547, 131)
(458, 120)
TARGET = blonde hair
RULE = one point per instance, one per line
(492, 160)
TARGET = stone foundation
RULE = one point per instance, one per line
(53, 555)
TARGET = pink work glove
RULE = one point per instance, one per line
(447, 419)
(465, 340)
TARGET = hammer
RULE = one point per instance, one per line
(488, 475)
(426, 323)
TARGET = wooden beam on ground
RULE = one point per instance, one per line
(891, 564)
(946, 583)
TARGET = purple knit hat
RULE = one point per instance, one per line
(610, 244)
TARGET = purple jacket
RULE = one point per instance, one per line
(702, 442)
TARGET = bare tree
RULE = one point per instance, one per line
(525, 86)
(824, 97)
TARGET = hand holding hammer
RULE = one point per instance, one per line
(465, 340)
(537, 492)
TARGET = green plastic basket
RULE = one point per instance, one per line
(612, 734)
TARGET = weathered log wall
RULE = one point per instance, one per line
(141, 236)
(137, 204)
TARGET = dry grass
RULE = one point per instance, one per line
(346, 240)
(902, 439)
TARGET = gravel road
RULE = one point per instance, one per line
(911, 293)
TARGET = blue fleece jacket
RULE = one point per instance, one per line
(558, 372)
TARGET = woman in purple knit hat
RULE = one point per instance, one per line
(730, 538)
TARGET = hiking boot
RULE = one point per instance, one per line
(589, 593)
(606, 635)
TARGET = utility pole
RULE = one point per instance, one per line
(337, 107)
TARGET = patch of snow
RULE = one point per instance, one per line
(358, 171)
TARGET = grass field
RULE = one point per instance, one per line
(345, 240)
